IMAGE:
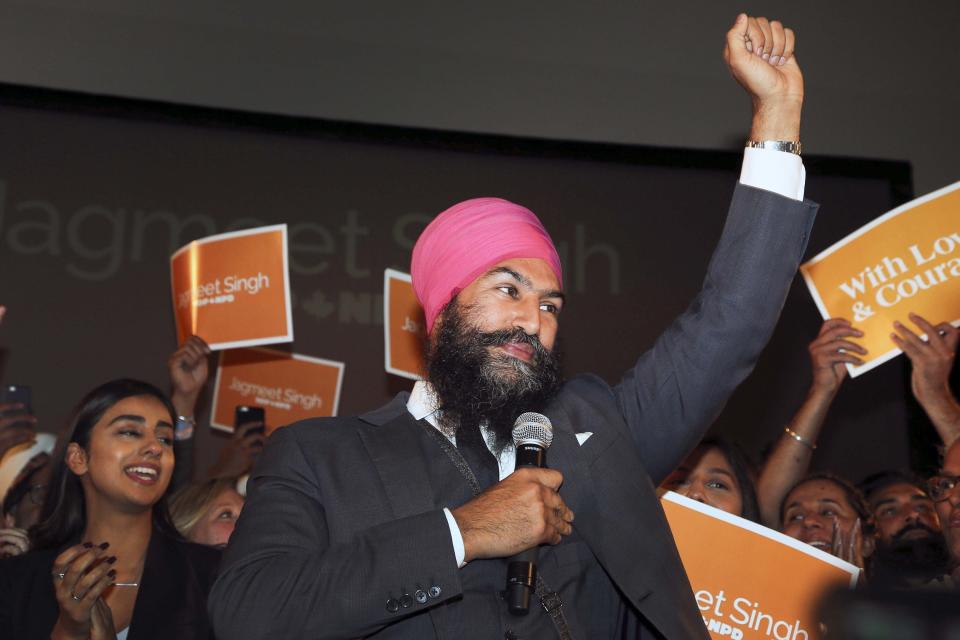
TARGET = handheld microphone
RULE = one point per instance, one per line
(532, 436)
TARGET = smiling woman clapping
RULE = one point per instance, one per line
(108, 563)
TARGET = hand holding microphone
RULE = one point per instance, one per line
(532, 436)
(524, 510)
(518, 513)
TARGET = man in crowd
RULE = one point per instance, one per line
(911, 550)
(945, 491)
(400, 522)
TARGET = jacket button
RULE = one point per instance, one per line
(421, 596)
(392, 605)
(434, 591)
(406, 601)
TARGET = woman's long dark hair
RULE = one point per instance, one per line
(743, 470)
(64, 515)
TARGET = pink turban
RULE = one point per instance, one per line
(469, 238)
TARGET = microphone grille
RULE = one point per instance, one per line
(533, 428)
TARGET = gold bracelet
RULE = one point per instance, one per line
(796, 436)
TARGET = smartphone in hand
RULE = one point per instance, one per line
(11, 393)
(245, 414)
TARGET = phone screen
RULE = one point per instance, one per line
(244, 414)
(11, 393)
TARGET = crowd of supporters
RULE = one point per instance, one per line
(121, 551)
(903, 530)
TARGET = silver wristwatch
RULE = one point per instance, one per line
(776, 145)
(183, 430)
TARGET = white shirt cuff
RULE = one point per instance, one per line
(777, 171)
(458, 551)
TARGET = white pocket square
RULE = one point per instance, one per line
(582, 437)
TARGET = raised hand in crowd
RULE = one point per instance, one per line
(830, 352)
(3, 312)
(240, 452)
(932, 361)
(189, 369)
(789, 461)
(16, 427)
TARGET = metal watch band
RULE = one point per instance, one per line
(789, 146)
(183, 430)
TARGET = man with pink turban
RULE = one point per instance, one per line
(400, 523)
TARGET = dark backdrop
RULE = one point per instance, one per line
(95, 194)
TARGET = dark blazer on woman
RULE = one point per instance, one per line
(172, 602)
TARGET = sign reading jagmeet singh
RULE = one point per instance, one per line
(287, 386)
(233, 289)
(750, 582)
(906, 261)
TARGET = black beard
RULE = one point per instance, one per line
(923, 558)
(474, 385)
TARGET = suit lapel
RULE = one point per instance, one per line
(564, 456)
(612, 537)
(398, 459)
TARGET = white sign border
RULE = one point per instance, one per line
(340, 366)
(388, 275)
(280, 339)
(766, 532)
(893, 213)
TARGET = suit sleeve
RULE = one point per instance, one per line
(678, 387)
(284, 576)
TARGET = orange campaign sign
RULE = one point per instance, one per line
(233, 289)
(288, 386)
(750, 582)
(403, 326)
(907, 260)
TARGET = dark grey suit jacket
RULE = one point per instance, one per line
(340, 517)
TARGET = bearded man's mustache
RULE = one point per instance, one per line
(515, 335)
(475, 384)
(917, 526)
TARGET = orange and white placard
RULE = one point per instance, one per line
(750, 582)
(288, 386)
(403, 326)
(907, 260)
(233, 289)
